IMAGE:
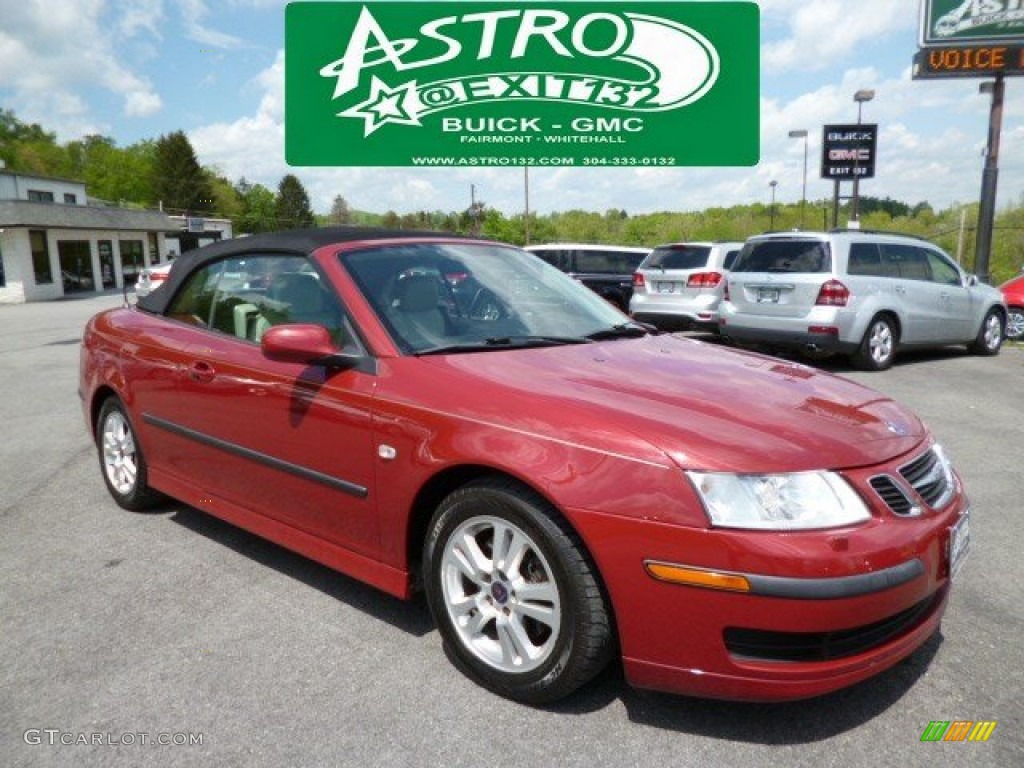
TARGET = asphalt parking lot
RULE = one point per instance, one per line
(121, 627)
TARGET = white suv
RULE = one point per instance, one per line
(858, 293)
(679, 286)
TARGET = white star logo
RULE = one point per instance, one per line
(385, 105)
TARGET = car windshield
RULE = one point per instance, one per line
(784, 256)
(468, 297)
(677, 257)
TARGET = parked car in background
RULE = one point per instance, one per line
(607, 270)
(680, 285)
(151, 278)
(859, 293)
(1013, 294)
(562, 484)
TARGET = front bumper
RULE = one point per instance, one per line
(832, 608)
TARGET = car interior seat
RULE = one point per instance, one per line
(416, 308)
(294, 297)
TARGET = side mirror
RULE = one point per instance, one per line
(971, 281)
(303, 343)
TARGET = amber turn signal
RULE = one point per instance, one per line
(696, 577)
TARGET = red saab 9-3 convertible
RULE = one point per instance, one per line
(455, 416)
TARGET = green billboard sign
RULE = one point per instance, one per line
(628, 84)
(971, 22)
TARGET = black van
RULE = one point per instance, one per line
(607, 270)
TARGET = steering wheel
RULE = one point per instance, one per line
(487, 307)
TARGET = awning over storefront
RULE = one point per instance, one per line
(23, 213)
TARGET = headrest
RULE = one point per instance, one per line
(417, 293)
(299, 289)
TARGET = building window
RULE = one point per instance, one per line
(70, 199)
(40, 257)
(39, 196)
(133, 260)
(3, 278)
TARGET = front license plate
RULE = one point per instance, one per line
(768, 295)
(959, 544)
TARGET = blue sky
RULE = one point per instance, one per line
(135, 69)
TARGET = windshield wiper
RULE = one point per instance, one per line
(629, 330)
(503, 342)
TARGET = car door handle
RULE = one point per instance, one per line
(900, 289)
(201, 371)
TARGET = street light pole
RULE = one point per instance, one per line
(860, 97)
(474, 212)
(802, 134)
(771, 211)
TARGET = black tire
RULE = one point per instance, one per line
(990, 335)
(1015, 324)
(122, 464)
(877, 349)
(532, 649)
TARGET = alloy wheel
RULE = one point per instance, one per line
(119, 457)
(1015, 323)
(993, 331)
(880, 342)
(500, 594)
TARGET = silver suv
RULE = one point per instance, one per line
(859, 293)
(680, 285)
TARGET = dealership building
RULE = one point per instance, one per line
(55, 241)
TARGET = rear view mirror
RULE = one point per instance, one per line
(304, 343)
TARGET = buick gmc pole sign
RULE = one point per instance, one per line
(848, 151)
(848, 154)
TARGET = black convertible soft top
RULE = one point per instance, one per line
(298, 241)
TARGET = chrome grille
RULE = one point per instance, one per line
(931, 477)
(928, 477)
(893, 495)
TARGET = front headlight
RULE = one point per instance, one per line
(787, 502)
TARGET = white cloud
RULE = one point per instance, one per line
(824, 32)
(137, 16)
(142, 103)
(195, 16)
(47, 66)
(250, 146)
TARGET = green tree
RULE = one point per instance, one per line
(15, 138)
(340, 213)
(179, 182)
(292, 209)
(39, 156)
(258, 208)
(227, 203)
(111, 173)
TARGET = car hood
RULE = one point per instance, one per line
(703, 406)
